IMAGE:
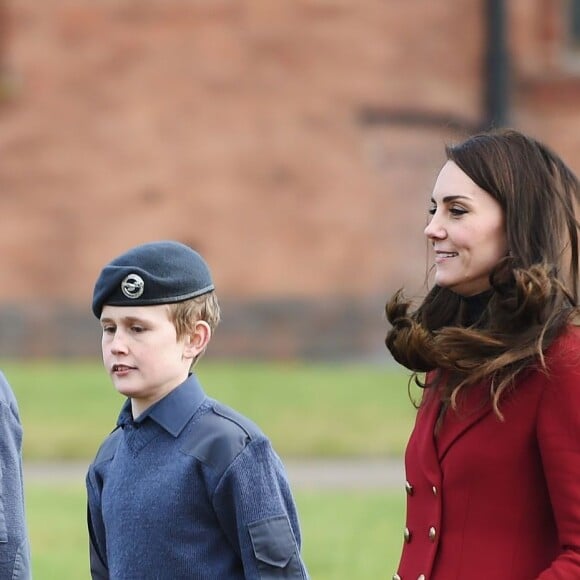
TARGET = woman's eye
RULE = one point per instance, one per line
(457, 211)
(432, 210)
(108, 329)
(137, 329)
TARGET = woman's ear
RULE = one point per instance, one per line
(197, 340)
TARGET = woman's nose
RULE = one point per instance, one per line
(434, 229)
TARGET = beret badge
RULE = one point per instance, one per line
(132, 286)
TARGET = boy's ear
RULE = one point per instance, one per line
(198, 339)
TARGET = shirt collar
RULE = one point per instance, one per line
(173, 411)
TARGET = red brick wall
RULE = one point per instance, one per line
(236, 127)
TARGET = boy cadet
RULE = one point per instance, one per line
(184, 487)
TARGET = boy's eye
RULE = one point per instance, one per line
(108, 329)
(137, 329)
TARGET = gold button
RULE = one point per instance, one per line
(432, 533)
(422, 577)
(409, 488)
(407, 535)
(397, 577)
(434, 490)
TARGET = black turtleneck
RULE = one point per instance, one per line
(474, 306)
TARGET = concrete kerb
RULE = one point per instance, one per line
(306, 473)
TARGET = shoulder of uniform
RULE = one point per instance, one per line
(7, 397)
(108, 447)
(219, 436)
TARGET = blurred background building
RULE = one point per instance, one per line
(294, 143)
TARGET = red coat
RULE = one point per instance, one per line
(497, 500)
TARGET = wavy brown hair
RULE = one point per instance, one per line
(534, 290)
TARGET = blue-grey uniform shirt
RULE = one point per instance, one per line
(190, 490)
(14, 551)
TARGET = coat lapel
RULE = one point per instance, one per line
(473, 406)
(425, 436)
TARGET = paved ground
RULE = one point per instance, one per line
(353, 473)
(346, 474)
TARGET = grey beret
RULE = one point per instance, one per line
(153, 273)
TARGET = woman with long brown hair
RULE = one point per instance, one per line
(493, 462)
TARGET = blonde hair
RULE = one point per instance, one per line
(185, 314)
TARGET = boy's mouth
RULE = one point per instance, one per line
(118, 368)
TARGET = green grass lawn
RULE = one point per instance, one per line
(351, 535)
(306, 409)
(57, 528)
(346, 535)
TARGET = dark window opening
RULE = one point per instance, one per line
(575, 23)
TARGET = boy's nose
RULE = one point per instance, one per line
(118, 344)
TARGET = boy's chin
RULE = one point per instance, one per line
(126, 390)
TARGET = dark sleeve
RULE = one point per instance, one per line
(14, 548)
(97, 553)
(255, 508)
(96, 526)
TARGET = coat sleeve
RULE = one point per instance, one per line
(558, 433)
(14, 547)
(255, 508)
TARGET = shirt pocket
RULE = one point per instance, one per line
(275, 549)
